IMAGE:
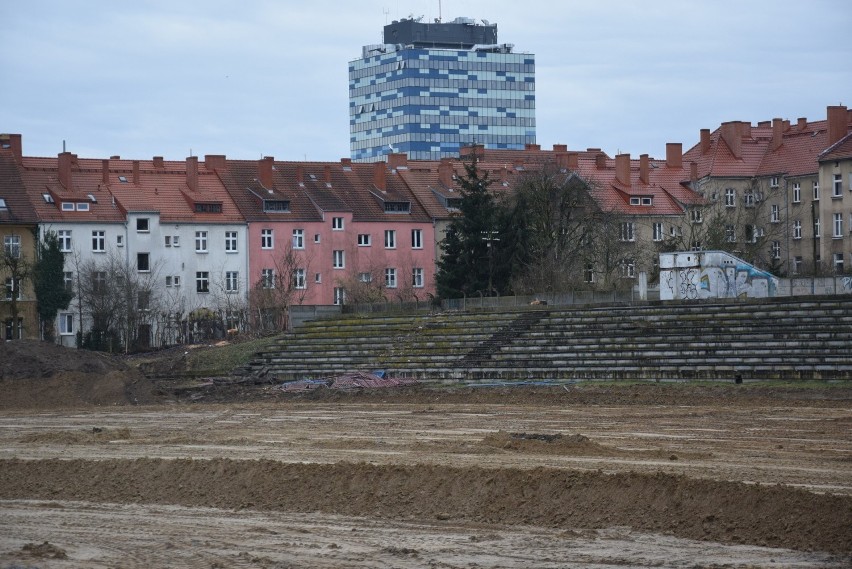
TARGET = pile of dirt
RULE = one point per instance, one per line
(727, 512)
(44, 550)
(37, 374)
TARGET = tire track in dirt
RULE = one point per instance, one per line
(727, 512)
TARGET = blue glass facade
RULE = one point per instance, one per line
(428, 102)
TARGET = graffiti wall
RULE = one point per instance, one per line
(712, 274)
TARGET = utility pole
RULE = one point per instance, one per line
(489, 237)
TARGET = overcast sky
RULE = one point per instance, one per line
(247, 78)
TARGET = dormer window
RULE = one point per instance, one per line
(397, 207)
(276, 206)
(201, 207)
(642, 200)
(82, 206)
(122, 179)
(67, 206)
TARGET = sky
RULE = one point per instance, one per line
(252, 78)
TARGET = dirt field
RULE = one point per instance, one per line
(585, 475)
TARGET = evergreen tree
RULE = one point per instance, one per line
(470, 263)
(49, 282)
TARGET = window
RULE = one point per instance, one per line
(230, 242)
(272, 206)
(338, 260)
(66, 323)
(838, 263)
(169, 280)
(696, 246)
(390, 278)
(298, 239)
(730, 234)
(143, 262)
(658, 231)
(142, 225)
(363, 240)
(390, 239)
(13, 289)
(316, 237)
(627, 231)
(628, 269)
(837, 188)
(776, 250)
(68, 280)
(266, 239)
(750, 234)
(365, 277)
(143, 300)
(82, 206)
(64, 240)
(67, 206)
(730, 197)
(175, 240)
(775, 215)
(417, 277)
(773, 182)
(267, 278)
(416, 238)
(797, 265)
(797, 193)
(200, 241)
(838, 226)
(797, 229)
(695, 215)
(339, 295)
(12, 246)
(232, 281)
(98, 241)
(299, 279)
(119, 240)
(47, 198)
(816, 190)
(168, 240)
(748, 199)
(635, 200)
(177, 280)
(337, 223)
(98, 282)
(318, 278)
(202, 281)
(208, 208)
(589, 273)
(817, 228)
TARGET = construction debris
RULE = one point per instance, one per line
(353, 380)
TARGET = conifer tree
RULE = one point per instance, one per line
(49, 282)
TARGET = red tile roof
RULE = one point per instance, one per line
(19, 209)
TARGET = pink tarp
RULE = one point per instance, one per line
(354, 380)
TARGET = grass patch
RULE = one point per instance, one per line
(215, 360)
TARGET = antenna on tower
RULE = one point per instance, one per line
(385, 11)
(440, 16)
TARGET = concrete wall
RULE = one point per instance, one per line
(694, 275)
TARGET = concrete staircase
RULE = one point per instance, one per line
(788, 338)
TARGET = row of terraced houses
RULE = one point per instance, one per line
(239, 239)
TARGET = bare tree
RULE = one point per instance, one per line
(280, 286)
(18, 270)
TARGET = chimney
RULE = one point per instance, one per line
(380, 176)
(705, 140)
(777, 131)
(159, 165)
(300, 175)
(326, 174)
(16, 147)
(763, 124)
(802, 123)
(836, 123)
(397, 160)
(136, 172)
(574, 161)
(745, 129)
(215, 161)
(445, 172)
(105, 169)
(600, 161)
(64, 167)
(731, 135)
(504, 174)
(561, 159)
(264, 172)
(622, 169)
(192, 173)
(115, 157)
(644, 168)
(532, 147)
(560, 148)
(693, 171)
(674, 155)
(346, 163)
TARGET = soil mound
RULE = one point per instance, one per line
(36, 374)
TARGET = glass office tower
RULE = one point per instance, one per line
(432, 88)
